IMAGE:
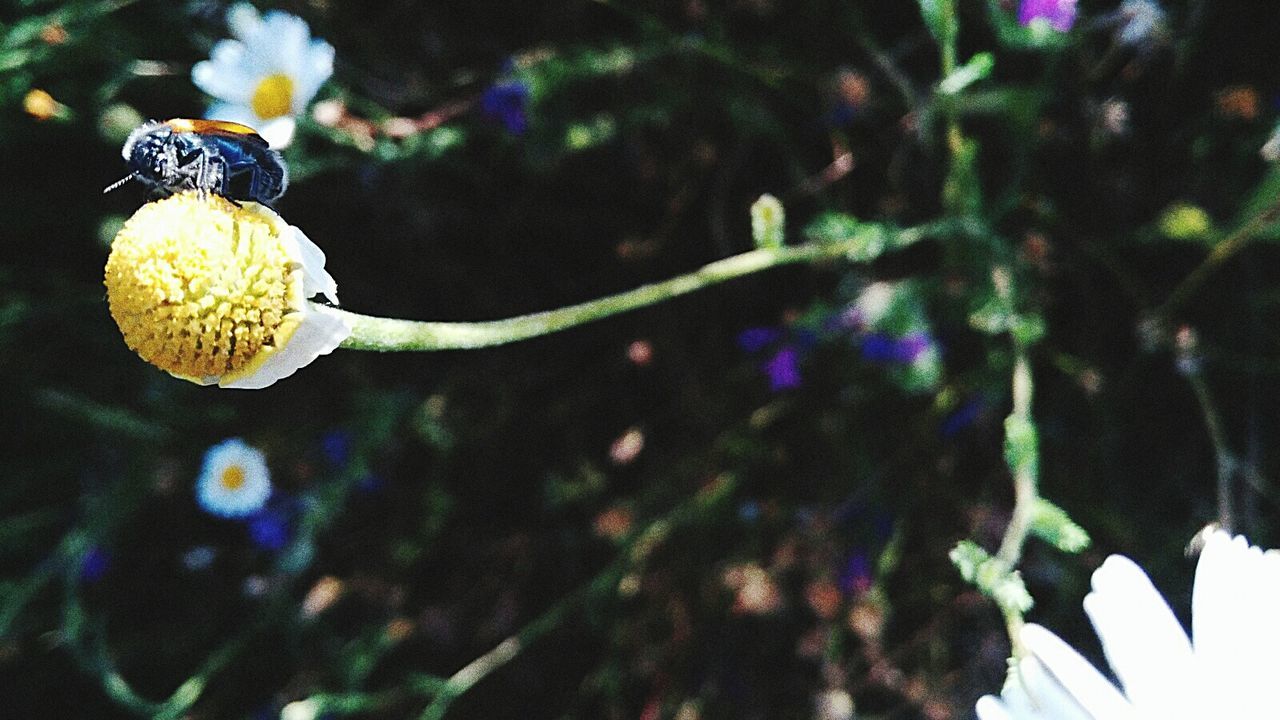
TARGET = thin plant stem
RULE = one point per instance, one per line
(390, 334)
(1224, 459)
(1221, 252)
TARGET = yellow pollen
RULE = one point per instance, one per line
(203, 288)
(232, 478)
(273, 97)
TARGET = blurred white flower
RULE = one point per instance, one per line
(300, 710)
(1226, 670)
(1139, 21)
(234, 481)
(267, 75)
(1271, 148)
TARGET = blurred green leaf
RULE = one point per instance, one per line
(978, 68)
(1052, 524)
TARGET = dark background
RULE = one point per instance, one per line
(454, 498)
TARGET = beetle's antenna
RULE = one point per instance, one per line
(119, 182)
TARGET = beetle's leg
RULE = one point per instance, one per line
(212, 175)
(258, 182)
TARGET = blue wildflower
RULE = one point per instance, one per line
(94, 564)
(756, 339)
(506, 102)
(269, 529)
(335, 445)
(884, 348)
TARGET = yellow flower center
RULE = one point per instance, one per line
(232, 478)
(204, 288)
(273, 97)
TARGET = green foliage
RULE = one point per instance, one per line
(993, 577)
(1051, 524)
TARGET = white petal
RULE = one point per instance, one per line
(1147, 648)
(315, 279)
(1236, 619)
(284, 41)
(243, 20)
(989, 708)
(234, 113)
(1095, 694)
(226, 74)
(1033, 692)
(315, 69)
(278, 132)
(319, 333)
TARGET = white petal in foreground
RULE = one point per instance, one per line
(1145, 645)
(1228, 672)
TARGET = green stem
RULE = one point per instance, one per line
(1024, 473)
(390, 334)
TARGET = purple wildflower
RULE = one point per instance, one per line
(505, 102)
(912, 345)
(783, 369)
(1059, 14)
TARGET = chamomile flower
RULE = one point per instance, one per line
(1225, 670)
(234, 482)
(267, 74)
(214, 292)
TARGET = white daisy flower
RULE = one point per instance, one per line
(234, 481)
(267, 75)
(1225, 670)
(214, 292)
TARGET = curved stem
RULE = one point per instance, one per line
(390, 334)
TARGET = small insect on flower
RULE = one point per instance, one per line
(213, 156)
